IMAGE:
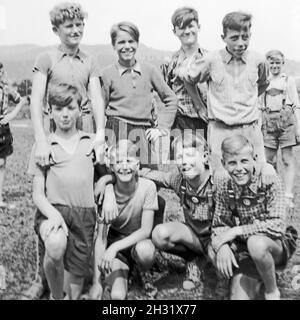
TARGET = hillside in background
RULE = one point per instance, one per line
(19, 59)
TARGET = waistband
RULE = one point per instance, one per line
(239, 125)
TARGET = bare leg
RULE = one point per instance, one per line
(55, 245)
(2, 174)
(73, 285)
(243, 287)
(289, 169)
(271, 156)
(265, 253)
(119, 280)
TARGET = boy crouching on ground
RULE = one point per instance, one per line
(248, 231)
(128, 240)
(63, 193)
(193, 184)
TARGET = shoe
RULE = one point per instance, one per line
(192, 278)
(273, 295)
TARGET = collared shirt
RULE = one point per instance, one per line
(233, 85)
(193, 212)
(266, 215)
(281, 88)
(128, 94)
(75, 70)
(131, 208)
(185, 103)
(70, 179)
(7, 94)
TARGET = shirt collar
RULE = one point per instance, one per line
(202, 186)
(228, 57)
(181, 53)
(122, 69)
(78, 55)
(52, 138)
(253, 186)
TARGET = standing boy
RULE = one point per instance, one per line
(281, 119)
(249, 223)
(236, 77)
(7, 94)
(66, 63)
(191, 113)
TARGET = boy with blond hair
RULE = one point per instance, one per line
(66, 63)
(249, 224)
(281, 119)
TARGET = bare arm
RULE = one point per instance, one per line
(10, 116)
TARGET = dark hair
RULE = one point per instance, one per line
(237, 21)
(1, 65)
(234, 144)
(128, 27)
(64, 11)
(63, 94)
(183, 16)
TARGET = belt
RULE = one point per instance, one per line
(234, 125)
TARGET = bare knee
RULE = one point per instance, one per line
(160, 236)
(287, 158)
(118, 294)
(145, 252)
(258, 248)
(56, 245)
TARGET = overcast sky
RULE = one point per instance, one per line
(276, 23)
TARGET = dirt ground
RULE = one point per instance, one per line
(17, 238)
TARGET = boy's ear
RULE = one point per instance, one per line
(223, 36)
(223, 162)
(54, 29)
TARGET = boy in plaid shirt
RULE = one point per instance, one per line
(249, 222)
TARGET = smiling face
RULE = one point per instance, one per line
(237, 42)
(65, 117)
(70, 32)
(275, 65)
(188, 34)
(240, 166)
(191, 162)
(125, 46)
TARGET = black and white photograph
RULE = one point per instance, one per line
(149, 150)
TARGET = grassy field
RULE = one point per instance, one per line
(17, 239)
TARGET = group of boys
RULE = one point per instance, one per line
(236, 220)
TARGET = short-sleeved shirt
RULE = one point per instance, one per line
(7, 94)
(281, 88)
(131, 208)
(233, 85)
(75, 70)
(185, 103)
(128, 93)
(69, 181)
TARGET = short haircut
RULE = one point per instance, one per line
(238, 21)
(130, 148)
(66, 11)
(273, 55)
(234, 144)
(184, 16)
(190, 139)
(63, 94)
(125, 26)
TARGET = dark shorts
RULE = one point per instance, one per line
(280, 130)
(6, 141)
(247, 265)
(126, 255)
(81, 224)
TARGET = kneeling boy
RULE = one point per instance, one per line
(249, 223)
(128, 240)
(63, 193)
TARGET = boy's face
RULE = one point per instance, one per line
(65, 117)
(237, 42)
(124, 166)
(125, 47)
(275, 65)
(241, 166)
(190, 162)
(70, 32)
(188, 35)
